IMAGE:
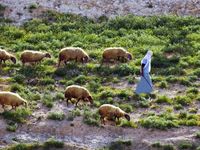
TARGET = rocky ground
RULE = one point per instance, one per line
(78, 135)
(22, 10)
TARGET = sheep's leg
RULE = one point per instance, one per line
(102, 120)
(59, 63)
(68, 101)
(78, 101)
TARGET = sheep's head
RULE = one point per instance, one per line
(13, 59)
(47, 55)
(90, 99)
(127, 117)
(129, 56)
(25, 103)
(86, 59)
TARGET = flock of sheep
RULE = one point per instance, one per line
(106, 111)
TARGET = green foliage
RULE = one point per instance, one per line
(163, 146)
(52, 143)
(20, 115)
(12, 127)
(24, 147)
(56, 116)
(176, 60)
(162, 121)
(163, 84)
(163, 99)
(90, 117)
(198, 135)
(183, 100)
(185, 145)
(120, 144)
(72, 114)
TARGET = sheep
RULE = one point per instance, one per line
(12, 99)
(78, 93)
(4, 55)
(72, 53)
(116, 53)
(111, 112)
(29, 56)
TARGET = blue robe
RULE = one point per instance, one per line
(145, 84)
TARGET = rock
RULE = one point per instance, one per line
(19, 11)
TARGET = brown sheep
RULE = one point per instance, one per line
(116, 53)
(78, 93)
(4, 55)
(111, 112)
(29, 56)
(12, 99)
(72, 53)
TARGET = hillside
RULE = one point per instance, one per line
(169, 118)
(22, 10)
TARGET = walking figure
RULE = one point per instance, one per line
(145, 84)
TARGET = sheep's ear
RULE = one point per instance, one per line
(130, 56)
(127, 117)
(13, 59)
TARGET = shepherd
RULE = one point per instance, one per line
(145, 84)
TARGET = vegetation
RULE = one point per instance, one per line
(56, 116)
(175, 67)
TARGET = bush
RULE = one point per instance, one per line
(72, 114)
(52, 143)
(164, 99)
(20, 115)
(120, 144)
(163, 85)
(162, 121)
(56, 116)
(198, 135)
(185, 145)
(91, 118)
(183, 100)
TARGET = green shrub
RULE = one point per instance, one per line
(126, 107)
(185, 145)
(162, 121)
(120, 144)
(72, 114)
(198, 135)
(56, 116)
(24, 147)
(91, 118)
(163, 85)
(20, 115)
(52, 143)
(126, 123)
(47, 81)
(163, 99)
(19, 78)
(12, 127)
(183, 100)
(48, 101)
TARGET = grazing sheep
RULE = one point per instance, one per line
(12, 99)
(111, 112)
(116, 53)
(4, 55)
(78, 93)
(72, 53)
(29, 56)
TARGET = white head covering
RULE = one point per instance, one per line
(148, 55)
(147, 61)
